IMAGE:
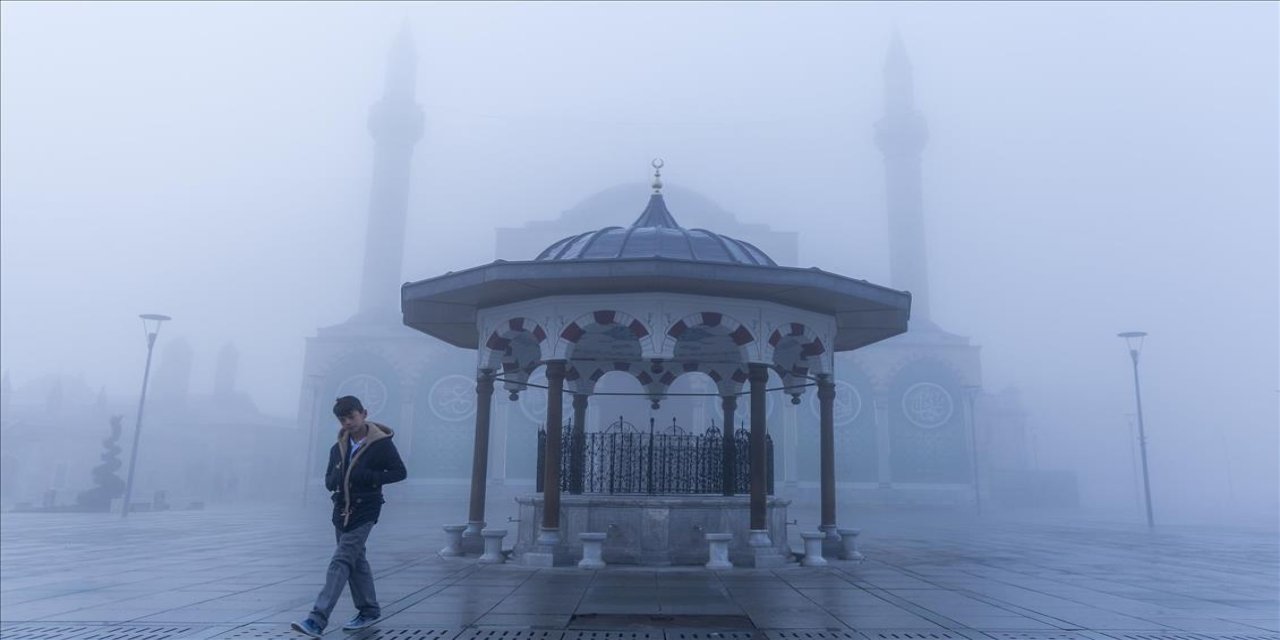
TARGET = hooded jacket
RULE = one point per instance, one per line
(356, 480)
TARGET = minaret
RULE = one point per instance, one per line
(395, 122)
(901, 135)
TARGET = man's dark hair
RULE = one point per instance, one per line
(346, 405)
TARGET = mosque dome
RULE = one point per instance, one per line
(655, 234)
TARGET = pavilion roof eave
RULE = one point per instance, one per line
(445, 306)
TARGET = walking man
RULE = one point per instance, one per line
(360, 462)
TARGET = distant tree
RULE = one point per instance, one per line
(109, 485)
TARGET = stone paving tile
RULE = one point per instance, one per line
(525, 620)
(897, 621)
(244, 572)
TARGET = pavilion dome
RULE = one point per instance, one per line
(655, 234)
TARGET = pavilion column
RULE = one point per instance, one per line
(827, 454)
(577, 464)
(729, 458)
(550, 534)
(758, 375)
(471, 540)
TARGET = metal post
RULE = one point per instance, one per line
(1142, 438)
(137, 427)
(971, 393)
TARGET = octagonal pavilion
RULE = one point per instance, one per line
(656, 301)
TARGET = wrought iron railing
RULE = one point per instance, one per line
(622, 459)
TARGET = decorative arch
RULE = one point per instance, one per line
(514, 350)
(610, 324)
(797, 352)
(581, 376)
(712, 343)
(601, 342)
(797, 349)
(729, 379)
(719, 323)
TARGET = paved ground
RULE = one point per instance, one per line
(929, 576)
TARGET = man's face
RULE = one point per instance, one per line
(353, 422)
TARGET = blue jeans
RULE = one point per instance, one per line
(348, 568)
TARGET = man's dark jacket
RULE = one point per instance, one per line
(357, 482)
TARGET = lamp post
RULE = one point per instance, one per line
(151, 326)
(1133, 339)
(971, 395)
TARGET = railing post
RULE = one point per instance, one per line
(650, 463)
(729, 404)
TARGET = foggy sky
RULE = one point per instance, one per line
(1092, 168)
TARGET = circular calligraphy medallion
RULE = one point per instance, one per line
(847, 404)
(370, 390)
(453, 398)
(927, 405)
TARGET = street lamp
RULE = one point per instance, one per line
(971, 395)
(1133, 339)
(151, 327)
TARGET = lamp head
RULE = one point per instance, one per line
(151, 323)
(1133, 339)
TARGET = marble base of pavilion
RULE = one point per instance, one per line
(652, 530)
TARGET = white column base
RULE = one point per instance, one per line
(592, 550)
(493, 546)
(453, 540)
(849, 545)
(813, 549)
(718, 544)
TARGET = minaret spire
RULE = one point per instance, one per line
(395, 122)
(901, 135)
(899, 89)
(402, 67)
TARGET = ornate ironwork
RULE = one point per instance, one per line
(624, 460)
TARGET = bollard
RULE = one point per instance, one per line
(493, 546)
(592, 550)
(453, 540)
(718, 547)
(849, 539)
(813, 548)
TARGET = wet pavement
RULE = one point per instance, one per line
(247, 572)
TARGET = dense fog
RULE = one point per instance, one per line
(1091, 168)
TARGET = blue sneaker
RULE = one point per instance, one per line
(307, 627)
(360, 621)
